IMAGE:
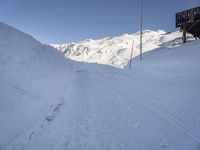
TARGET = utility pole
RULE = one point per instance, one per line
(130, 64)
(141, 26)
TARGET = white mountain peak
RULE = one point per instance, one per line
(115, 51)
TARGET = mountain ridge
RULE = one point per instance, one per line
(116, 51)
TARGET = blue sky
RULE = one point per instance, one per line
(61, 21)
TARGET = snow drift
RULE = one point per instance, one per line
(34, 79)
(49, 102)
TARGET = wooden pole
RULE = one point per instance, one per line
(130, 64)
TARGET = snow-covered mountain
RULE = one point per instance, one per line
(116, 51)
(48, 102)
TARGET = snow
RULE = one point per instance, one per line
(116, 51)
(50, 102)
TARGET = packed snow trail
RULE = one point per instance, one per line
(50, 103)
(128, 120)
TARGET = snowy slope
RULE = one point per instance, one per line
(116, 51)
(34, 79)
(50, 103)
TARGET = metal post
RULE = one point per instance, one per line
(184, 33)
(141, 24)
(130, 64)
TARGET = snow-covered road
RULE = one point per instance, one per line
(129, 114)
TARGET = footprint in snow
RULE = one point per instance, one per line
(134, 124)
(165, 146)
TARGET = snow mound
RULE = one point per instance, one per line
(116, 51)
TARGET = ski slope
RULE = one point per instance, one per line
(49, 102)
(116, 51)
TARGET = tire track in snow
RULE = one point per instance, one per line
(156, 109)
(153, 107)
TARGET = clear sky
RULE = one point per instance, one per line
(61, 21)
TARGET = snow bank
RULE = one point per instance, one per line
(34, 79)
